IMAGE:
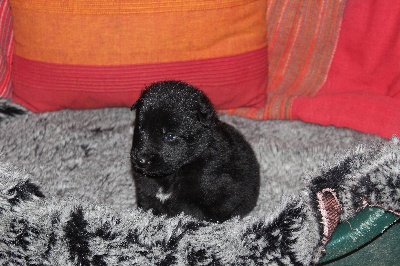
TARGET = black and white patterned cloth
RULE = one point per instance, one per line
(67, 195)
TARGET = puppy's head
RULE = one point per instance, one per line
(174, 124)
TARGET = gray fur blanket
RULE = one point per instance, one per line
(67, 196)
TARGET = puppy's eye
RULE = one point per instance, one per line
(169, 136)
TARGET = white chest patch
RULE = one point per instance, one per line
(162, 196)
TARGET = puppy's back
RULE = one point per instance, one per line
(243, 168)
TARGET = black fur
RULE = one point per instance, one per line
(183, 152)
(9, 109)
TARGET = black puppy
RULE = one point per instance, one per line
(186, 160)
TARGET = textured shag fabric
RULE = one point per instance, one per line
(67, 196)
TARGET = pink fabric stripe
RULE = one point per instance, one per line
(231, 82)
(6, 49)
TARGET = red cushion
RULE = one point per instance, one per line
(362, 91)
(79, 54)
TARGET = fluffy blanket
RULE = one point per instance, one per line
(67, 196)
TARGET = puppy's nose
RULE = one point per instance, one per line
(143, 159)
(142, 162)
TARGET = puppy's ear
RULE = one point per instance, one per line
(133, 107)
(205, 113)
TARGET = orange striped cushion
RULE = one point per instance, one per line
(6, 49)
(89, 54)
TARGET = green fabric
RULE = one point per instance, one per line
(363, 240)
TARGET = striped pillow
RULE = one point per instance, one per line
(89, 54)
(6, 49)
(301, 40)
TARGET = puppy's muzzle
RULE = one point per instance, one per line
(143, 160)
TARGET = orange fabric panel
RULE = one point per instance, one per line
(76, 32)
(124, 6)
